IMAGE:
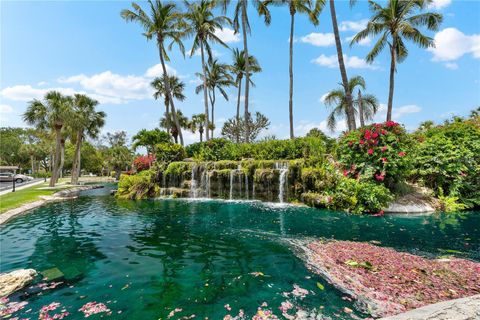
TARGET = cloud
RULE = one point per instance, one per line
(5, 109)
(322, 98)
(451, 44)
(304, 127)
(439, 4)
(364, 42)
(227, 35)
(353, 25)
(28, 93)
(157, 71)
(353, 62)
(451, 65)
(397, 112)
(215, 53)
(319, 39)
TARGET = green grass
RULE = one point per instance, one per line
(15, 199)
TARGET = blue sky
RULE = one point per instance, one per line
(85, 46)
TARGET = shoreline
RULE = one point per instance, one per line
(61, 195)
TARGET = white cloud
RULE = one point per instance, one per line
(397, 112)
(451, 44)
(157, 71)
(42, 83)
(319, 39)
(27, 92)
(353, 62)
(439, 4)
(364, 42)
(451, 65)
(322, 98)
(215, 53)
(227, 35)
(305, 126)
(5, 108)
(353, 25)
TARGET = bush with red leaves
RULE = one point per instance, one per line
(141, 163)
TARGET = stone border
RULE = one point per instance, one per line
(61, 195)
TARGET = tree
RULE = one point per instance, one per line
(87, 123)
(312, 9)
(396, 22)
(197, 124)
(51, 113)
(240, 14)
(118, 156)
(164, 23)
(167, 121)
(238, 68)
(366, 105)
(150, 138)
(177, 88)
(218, 77)
(233, 128)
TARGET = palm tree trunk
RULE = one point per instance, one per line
(360, 109)
(290, 101)
(32, 161)
(56, 161)
(62, 160)
(247, 67)
(213, 112)
(205, 90)
(343, 71)
(167, 116)
(392, 80)
(75, 164)
(201, 135)
(169, 93)
(238, 107)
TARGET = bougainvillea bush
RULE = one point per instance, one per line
(141, 163)
(388, 282)
(447, 160)
(378, 152)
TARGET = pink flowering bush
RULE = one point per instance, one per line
(141, 163)
(378, 152)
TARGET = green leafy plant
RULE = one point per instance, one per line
(169, 152)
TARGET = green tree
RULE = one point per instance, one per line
(197, 123)
(177, 88)
(218, 78)
(51, 113)
(150, 138)
(365, 105)
(87, 123)
(396, 22)
(118, 156)
(233, 128)
(241, 17)
(238, 68)
(163, 24)
(167, 121)
(201, 23)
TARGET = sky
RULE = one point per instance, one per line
(85, 46)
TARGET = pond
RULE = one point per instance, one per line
(144, 259)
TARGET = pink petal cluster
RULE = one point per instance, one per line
(297, 292)
(264, 314)
(389, 282)
(45, 310)
(93, 307)
(7, 308)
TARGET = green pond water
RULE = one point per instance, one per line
(143, 259)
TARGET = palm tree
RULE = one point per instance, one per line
(396, 22)
(177, 88)
(197, 124)
(240, 13)
(167, 120)
(238, 68)
(87, 123)
(365, 106)
(312, 9)
(350, 113)
(51, 113)
(164, 23)
(149, 139)
(218, 77)
(201, 23)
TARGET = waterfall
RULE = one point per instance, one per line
(207, 184)
(246, 185)
(193, 183)
(283, 168)
(232, 175)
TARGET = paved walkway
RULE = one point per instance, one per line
(23, 186)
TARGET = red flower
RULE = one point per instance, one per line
(346, 172)
(378, 214)
(367, 134)
(384, 148)
(362, 142)
(384, 160)
(391, 124)
(384, 132)
(350, 143)
(370, 151)
(379, 177)
(374, 135)
(402, 154)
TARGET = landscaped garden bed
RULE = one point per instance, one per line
(386, 282)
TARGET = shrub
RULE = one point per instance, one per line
(378, 152)
(141, 163)
(448, 159)
(211, 150)
(138, 186)
(168, 152)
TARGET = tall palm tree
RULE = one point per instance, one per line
(197, 124)
(87, 123)
(396, 22)
(312, 8)
(238, 68)
(241, 17)
(365, 106)
(201, 23)
(51, 113)
(163, 24)
(177, 88)
(167, 121)
(218, 78)
(350, 113)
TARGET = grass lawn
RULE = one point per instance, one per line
(15, 199)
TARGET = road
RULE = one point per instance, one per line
(8, 185)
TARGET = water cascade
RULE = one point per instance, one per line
(233, 172)
(283, 168)
(193, 184)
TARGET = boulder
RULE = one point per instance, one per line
(15, 280)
